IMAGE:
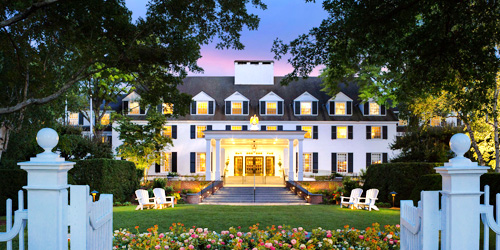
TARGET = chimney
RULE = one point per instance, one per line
(250, 72)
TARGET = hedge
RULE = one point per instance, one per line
(107, 176)
(11, 181)
(400, 177)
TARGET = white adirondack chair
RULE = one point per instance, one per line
(368, 202)
(161, 199)
(352, 200)
(144, 200)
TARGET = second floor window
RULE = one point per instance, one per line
(73, 119)
(307, 162)
(199, 131)
(167, 131)
(342, 163)
(374, 108)
(105, 119)
(305, 108)
(309, 131)
(166, 162)
(133, 108)
(202, 108)
(376, 132)
(341, 132)
(340, 108)
(237, 108)
(271, 108)
(200, 162)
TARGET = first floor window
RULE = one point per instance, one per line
(307, 162)
(340, 108)
(105, 119)
(342, 162)
(166, 162)
(199, 131)
(308, 130)
(374, 108)
(341, 132)
(200, 162)
(305, 108)
(376, 132)
(271, 108)
(271, 127)
(236, 128)
(436, 121)
(202, 108)
(133, 108)
(167, 131)
(376, 158)
(73, 118)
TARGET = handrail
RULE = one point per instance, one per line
(211, 187)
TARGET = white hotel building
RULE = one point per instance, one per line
(301, 131)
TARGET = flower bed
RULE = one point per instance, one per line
(280, 237)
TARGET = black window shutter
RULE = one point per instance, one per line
(334, 162)
(280, 108)
(228, 127)
(297, 108)
(368, 159)
(349, 133)
(209, 127)
(280, 128)
(263, 128)
(159, 108)
(384, 132)
(193, 131)
(174, 161)
(157, 168)
(193, 107)
(384, 157)
(211, 107)
(228, 107)
(174, 131)
(244, 127)
(299, 128)
(349, 108)
(350, 162)
(315, 162)
(193, 162)
(315, 108)
(245, 107)
(332, 108)
(315, 132)
(334, 132)
(366, 110)
(142, 111)
(80, 118)
(368, 132)
(262, 107)
(125, 107)
(382, 110)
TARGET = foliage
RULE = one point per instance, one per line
(172, 174)
(400, 177)
(74, 146)
(331, 196)
(11, 181)
(280, 237)
(107, 176)
(348, 185)
(159, 183)
(425, 144)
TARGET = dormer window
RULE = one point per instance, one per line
(130, 104)
(306, 104)
(340, 108)
(202, 104)
(167, 108)
(133, 108)
(373, 108)
(271, 108)
(271, 104)
(202, 108)
(341, 104)
(236, 108)
(305, 108)
(236, 104)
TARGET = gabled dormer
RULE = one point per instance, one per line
(306, 105)
(371, 108)
(130, 104)
(339, 105)
(271, 104)
(202, 104)
(236, 104)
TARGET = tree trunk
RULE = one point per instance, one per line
(146, 175)
(4, 139)
(474, 142)
(495, 129)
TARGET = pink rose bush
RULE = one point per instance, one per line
(283, 237)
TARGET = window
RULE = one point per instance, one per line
(202, 108)
(436, 121)
(271, 127)
(166, 162)
(167, 108)
(236, 128)
(402, 122)
(309, 131)
(133, 108)
(342, 162)
(167, 131)
(376, 158)
(340, 108)
(237, 108)
(199, 131)
(376, 132)
(200, 162)
(307, 162)
(73, 118)
(105, 119)
(305, 108)
(374, 108)
(341, 132)
(271, 108)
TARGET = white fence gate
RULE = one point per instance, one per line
(20, 218)
(486, 211)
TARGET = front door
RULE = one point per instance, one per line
(269, 165)
(254, 163)
(238, 166)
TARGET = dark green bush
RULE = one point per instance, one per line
(159, 183)
(348, 185)
(400, 177)
(107, 176)
(11, 181)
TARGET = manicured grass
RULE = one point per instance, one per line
(220, 218)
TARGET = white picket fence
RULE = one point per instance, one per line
(489, 222)
(20, 218)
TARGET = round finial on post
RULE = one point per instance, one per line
(460, 144)
(47, 138)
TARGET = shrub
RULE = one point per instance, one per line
(11, 181)
(348, 185)
(107, 176)
(159, 183)
(400, 177)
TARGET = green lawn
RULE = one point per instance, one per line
(220, 218)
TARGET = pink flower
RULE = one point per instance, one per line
(239, 234)
(328, 235)
(182, 248)
(280, 244)
(200, 230)
(191, 247)
(240, 240)
(213, 241)
(161, 235)
(397, 226)
(361, 236)
(254, 248)
(294, 241)
(279, 227)
(166, 247)
(191, 231)
(209, 246)
(391, 242)
(157, 247)
(231, 235)
(273, 248)
(222, 243)
(300, 228)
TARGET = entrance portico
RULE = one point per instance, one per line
(249, 153)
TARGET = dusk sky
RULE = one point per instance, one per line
(285, 19)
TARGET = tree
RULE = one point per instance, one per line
(142, 144)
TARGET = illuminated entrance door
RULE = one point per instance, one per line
(238, 166)
(254, 163)
(269, 165)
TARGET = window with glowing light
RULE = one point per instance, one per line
(236, 128)
(341, 132)
(133, 108)
(402, 122)
(374, 108)
(271, 127)
(166, 162)
(167, 108)
(199, 131)
(236, 108)
(73, 119)
(342, 162)
(271, 108)
(305, 108)
(340, 108)
(376, 158)
(105, 119)
(307, 162)
(309, 131)
(376, 132)
(201, 162)
(167, 131)
(436, 121)
(202, 108)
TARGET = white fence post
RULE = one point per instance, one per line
(460, 200)
(47, 195)
(79, 216)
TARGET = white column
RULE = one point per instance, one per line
(217, 159)
(291, 170)
(47, 195)
(208, 161)
(300, 176)
(460, 200)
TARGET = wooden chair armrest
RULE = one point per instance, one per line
(171, 198)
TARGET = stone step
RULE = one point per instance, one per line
(263, 195)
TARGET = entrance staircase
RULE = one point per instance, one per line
(245, 196)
